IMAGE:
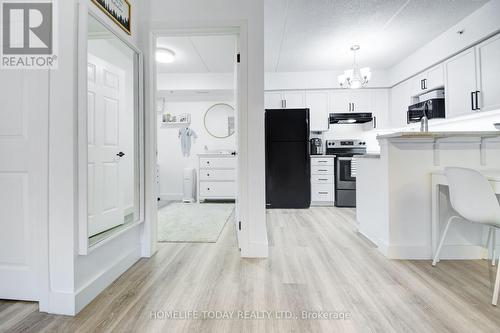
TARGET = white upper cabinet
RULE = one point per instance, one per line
(380, 108)
(429, 80)
(293, 99)
(351, 100)
(361, 100)
(339, 101)
(461, 84)
(435, 77)
(318, 103)
(273, 100)
(488, 70)
(400, 100)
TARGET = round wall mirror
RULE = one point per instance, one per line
(219, 121)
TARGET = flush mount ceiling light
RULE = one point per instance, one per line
(165, 56)
(356, 77)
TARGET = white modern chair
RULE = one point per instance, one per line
(473, 199)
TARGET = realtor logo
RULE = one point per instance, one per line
(28, 34)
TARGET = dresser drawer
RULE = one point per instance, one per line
(217, 174)
(321, 169)
(321, 161)
(320, 179)
(322, 192)
(218, 189)
(218, 162)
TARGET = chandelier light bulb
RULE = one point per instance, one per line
(355, 78)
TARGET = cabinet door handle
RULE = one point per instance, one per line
(421, 84)
(472, 101)
(477, 100)
(425, 83)
(323, 179)
(323, 192)
(322, 170)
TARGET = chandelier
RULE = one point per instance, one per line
(356, 77)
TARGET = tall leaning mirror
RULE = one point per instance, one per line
(112, 133)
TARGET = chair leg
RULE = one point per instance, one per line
(493, 246)
(436, 257)
(497, 285)
(487, 246)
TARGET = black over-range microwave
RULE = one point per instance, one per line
(433, 107)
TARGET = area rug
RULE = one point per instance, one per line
(193, 223)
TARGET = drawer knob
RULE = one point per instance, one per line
(208, 175)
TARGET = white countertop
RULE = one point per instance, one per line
(322, 156)
(491, 175)
(216, 154)
(437, 135)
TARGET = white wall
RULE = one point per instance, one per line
(75, 280)
(191, 14)
(195, 81)
(318, 80)
(170, 159)
(482, 23)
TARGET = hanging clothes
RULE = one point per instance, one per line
(186, 134)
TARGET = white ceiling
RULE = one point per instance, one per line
(309, 35)
(199, 54)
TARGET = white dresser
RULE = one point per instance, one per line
(216, 177)
(322, 180)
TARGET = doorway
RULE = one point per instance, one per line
(197, 145)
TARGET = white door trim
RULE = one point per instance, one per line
(234, 28)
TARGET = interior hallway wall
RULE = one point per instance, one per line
(75, 280)
(168, 14)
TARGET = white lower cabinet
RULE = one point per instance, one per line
(216, 177)
(322, 181)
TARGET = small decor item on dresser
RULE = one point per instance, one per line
(118, 10)
(497, 126)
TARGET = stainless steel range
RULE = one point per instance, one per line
(345, 169)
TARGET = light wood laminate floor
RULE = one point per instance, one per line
(317, 262)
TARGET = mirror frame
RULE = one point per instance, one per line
(82, 205)
(205, 121)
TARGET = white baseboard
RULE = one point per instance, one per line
(59, 302)
(255, 250)
(424, 252)
(171, 196)
(92, 289)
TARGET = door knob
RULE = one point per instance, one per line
(120, 154)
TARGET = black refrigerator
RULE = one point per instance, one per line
(288, 164)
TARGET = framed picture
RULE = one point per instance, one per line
(118, 10)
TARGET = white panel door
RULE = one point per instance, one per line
(294, 99)
(23, 182)
(105, 102)
(273, 100)
(460, 83)
(318, 104)
(488, 54)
